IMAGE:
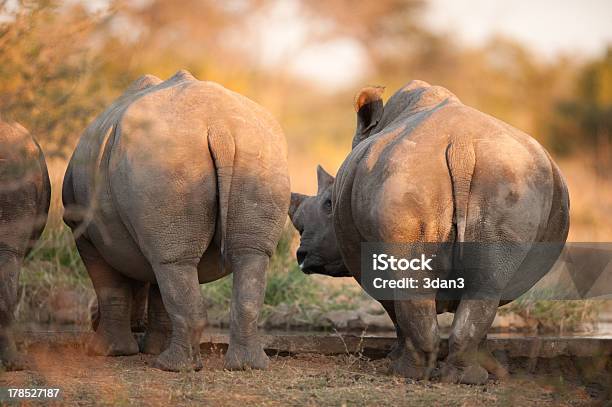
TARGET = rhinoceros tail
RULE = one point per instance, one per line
(460, 159)
(222, 148)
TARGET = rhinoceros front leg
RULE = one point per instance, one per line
(140, 292)
(417, 321)
(113, 336)
(398, 349)
(159, 325)
(9, 272)
(489, 362)
(472, 320)
(245, 350)
(179, 286)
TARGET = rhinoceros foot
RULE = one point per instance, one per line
(176, 359)
(154, 342)
(240, 357)
(473, 374)
(102, 344)
(489, 362)
(403, 367)
(14, 362)
(396, 351)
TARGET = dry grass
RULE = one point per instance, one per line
(309, 380)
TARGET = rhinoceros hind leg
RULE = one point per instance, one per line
(9, 271)
(417, 320)
(159, 326)
(180, 289)
(113, 335)
(472, 320)
(245, 350)
(489, 362)
(399, 346)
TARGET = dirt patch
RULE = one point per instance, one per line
(291, 380)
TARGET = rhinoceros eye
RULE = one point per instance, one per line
(327, 205)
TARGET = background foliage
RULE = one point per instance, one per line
(63, 62)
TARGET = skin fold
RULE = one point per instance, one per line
(426, 168)
(25, 193)
(178, 183)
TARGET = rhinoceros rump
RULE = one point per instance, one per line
(25, 193)
(178, 183)
(426, 168)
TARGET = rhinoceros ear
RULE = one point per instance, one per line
(296, 200)
(324, 180)
(369, 108)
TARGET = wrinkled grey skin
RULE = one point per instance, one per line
(426, 168)
(25, 193)
(178, 183)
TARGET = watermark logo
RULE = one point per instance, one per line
(383, 262)
(492, 270)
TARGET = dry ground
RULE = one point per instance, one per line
(291, 380)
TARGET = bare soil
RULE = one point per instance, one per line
(302, 379)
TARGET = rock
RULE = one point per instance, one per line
(69, 307)
(282, 317)
(513, 322)
(359, 320)
(372, 307)
(445, 320)
(340, 319)
(370, 322)
(218, 318)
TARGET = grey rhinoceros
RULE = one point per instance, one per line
(25, 193)
(178, 183)
(426, 168)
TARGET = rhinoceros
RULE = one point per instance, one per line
(25, 193)
(424, 167)
(177, 183)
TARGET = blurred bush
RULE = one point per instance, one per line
(584, 120)
(63, 62)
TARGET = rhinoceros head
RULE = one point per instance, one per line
(312, 217)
